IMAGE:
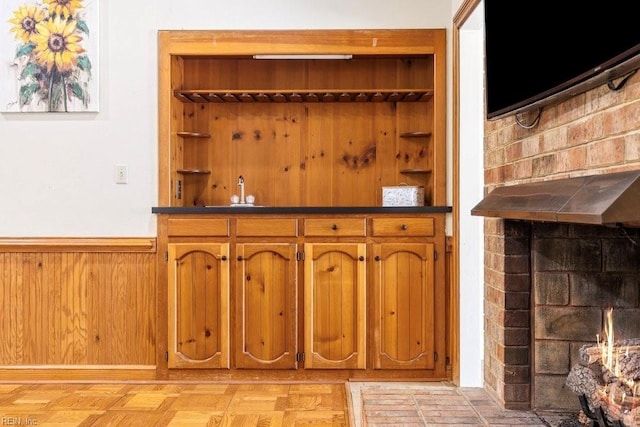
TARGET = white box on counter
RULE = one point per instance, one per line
(403, 195)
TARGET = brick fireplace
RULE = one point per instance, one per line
(547, 284)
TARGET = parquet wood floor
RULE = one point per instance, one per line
(169, 404)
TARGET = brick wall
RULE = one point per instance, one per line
(594, 132)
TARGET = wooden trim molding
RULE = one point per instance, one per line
(102, 373)
(78, 244)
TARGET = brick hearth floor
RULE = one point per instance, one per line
(434, 404)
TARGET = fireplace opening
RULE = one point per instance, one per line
(585, 279)
(548, 286)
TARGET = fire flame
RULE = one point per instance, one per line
(622, 392)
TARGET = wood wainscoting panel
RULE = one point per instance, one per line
(77, 302)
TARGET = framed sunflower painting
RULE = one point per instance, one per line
(49, 56)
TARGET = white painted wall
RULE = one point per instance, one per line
(471, 192)
(57, 169)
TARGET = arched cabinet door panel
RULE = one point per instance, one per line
(265, 296)
(404, 308)
(198, 305)
(335, 299)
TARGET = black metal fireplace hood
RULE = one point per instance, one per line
(607, 199)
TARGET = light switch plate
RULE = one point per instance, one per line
(122, 174)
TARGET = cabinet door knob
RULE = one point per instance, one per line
(334, 227)
(404, 226)
(223, 257)
(377, 258)
(361, 258)
(240, 258)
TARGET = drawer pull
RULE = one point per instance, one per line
(377, 258)
(404, 227)
(334, 227)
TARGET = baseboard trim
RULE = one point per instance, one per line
(72, 373)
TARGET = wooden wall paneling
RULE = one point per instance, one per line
(118, 314)
(223, 127)
(219, 74)
(252, 74)
(6, 314)
(77, 308)
(201, 146)
(319, 158)
(415, 72)
(77, 317)
(121, 290)
(30, 299)
(387, 148)
(142, 316)
(266, 152)
(97, 289)
(354, 155)
(52, 268)
(288, 130)
(271, 73)
(322, 74)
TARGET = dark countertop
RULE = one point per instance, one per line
(301, 210)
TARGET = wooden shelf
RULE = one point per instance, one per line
(307, 95)
(193, 171)
(193, 135)
(414, 171)
(415, 134)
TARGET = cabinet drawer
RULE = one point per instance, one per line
(335, 227)
(403, 226)
(250, 227)
(198, 227)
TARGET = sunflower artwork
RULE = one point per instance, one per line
(51, 68)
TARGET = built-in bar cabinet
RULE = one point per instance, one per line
(316, 278)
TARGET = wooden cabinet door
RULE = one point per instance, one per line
(198, 305)
(266, 282)
(404, 312)
(334, 305)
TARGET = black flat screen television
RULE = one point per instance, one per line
(540, 52)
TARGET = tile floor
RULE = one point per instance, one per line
(377, 404)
